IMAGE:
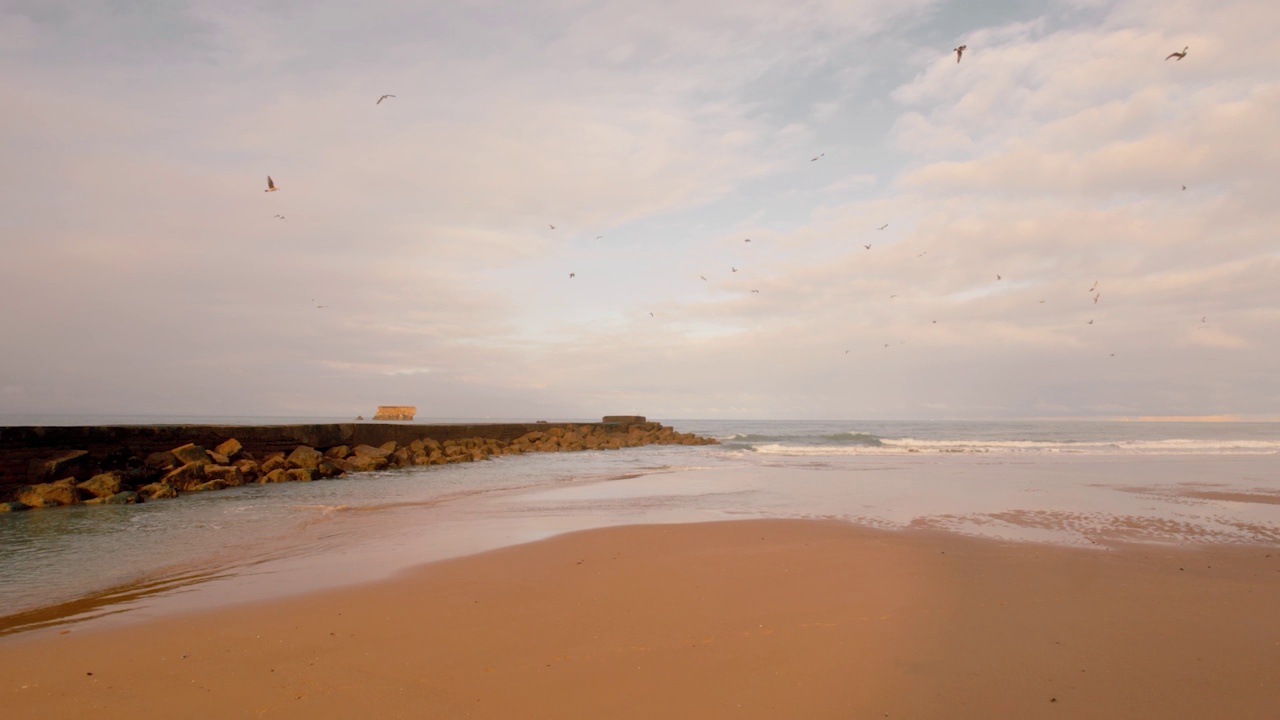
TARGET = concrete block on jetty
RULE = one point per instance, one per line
(53, 466)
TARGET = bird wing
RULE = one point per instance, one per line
(270, 182)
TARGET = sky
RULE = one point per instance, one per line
(1041, 258)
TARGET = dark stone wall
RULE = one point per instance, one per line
(20, 446)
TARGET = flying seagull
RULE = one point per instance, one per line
(1090, 322)
(997, 277)
(571, 275)
(734, 269)
(883, 226)
(1184, 187)
(1095, 298)
(384, 97)
(892, 297)
(959, 51)
(279, 216)
(867, 247)
(926, 252)
(553, 227)
(1095, 286)
(650, 314)
(816, 158)
(599, 236)
(755, 291)
(1178, 55)
(271, 185)
(704, 277)
(1041, 302)
(1202, 319)
(747, 240)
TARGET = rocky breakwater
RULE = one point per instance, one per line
(191, 468)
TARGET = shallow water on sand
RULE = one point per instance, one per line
(1062, 484)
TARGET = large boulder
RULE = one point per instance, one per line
(328, 468)
(389, 446)
(229, 475)
(273, 476)
(365, 463)
(102, 485)
(157, 491)
(121, 498)
(162, 461)
(53, 494)
(210, 485)
(299, 475)
(71, 463)
(305, 457)
(185, 477)
(217, 458)
(191, 453)
(276, 461)
(338, 452)
(248, 469)
(230, 449)
(370, 451)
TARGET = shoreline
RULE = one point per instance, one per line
(758, 618)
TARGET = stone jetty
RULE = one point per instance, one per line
(123, 465)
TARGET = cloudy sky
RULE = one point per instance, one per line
(144, 270)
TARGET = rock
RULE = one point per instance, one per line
(185, 477)
(369, 451)
(432, 445)
(275, 476)
(337, 452)
(103, 485)
(275, 462)
(395, 412)
(420, 458)
(127, 497)
(305, 457)
(218, 458)
(158, 491)
(365, 463)
(190, 453)
(401, 458)
(248, 469)
(72, 463)
(230, 475)
(389, 446)
(210, 485)
(328, 469)
(299, 475)
(417, 446)
(229, 449)
(61, 492)
(122, 498)
(531, 437)
(13, 506)
(164, 461)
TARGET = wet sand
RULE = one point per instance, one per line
(750, 619)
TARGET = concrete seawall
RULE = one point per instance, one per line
(21, 447)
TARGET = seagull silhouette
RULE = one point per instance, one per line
(571, 275)
(747, 240)
(1095, 286)
(553, 227)
(883, 226)
(384, 97)
(704, 277)
(1095, 298)
(1184, 187)
(734, 269)
(755, 291)
(1202, 319)
(1090, 322)
(846, 352)
(599, 236)
(867, 247)
(271, 185)
(959, 51)
(279, 216)
(926, 252)
(816, 158)
(1178, 55)
(650, 314)
(997, 277)
(1041, 302)
(892, 297)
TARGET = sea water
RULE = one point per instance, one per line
(1067, 482)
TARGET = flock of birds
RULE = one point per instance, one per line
(959, 51)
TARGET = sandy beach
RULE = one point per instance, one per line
(754, 619)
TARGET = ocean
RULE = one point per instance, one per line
(1083, 483)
